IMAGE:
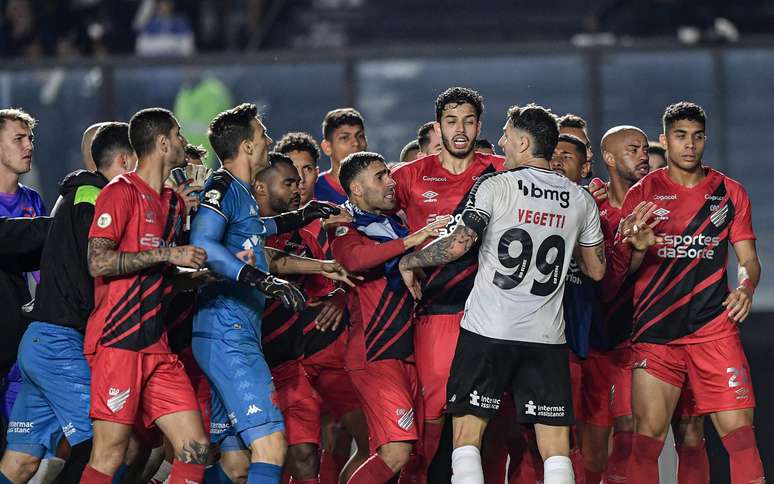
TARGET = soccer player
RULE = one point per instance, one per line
(685, 318)
(54, 398)
(485, 146)
(16, 200)
(324, 350)
(656, 155)
(529, 220)
(131, 254)
(433, 186)
(343, 132)
(575, 125)
(429, 140)
(86, 140)
(226, 338)
(410, 152)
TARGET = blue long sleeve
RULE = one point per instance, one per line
(207, 231)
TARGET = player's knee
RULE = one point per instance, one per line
(689, 431)
(395, 454)
(595, 459)
(728, 421)
(271, 449)
(193, 451)
(19, 467)
(623, 424)
(107, 459)
(235, 465)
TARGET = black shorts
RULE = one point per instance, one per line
(536, 375)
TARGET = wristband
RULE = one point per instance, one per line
(746, 282)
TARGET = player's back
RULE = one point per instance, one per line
(536, 217)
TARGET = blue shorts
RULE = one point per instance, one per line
(54, 398)
(243, 395)
(10, 390)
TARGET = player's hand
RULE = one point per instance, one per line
(332, 311)
(637, 227)
(411, 278)
(598, 189)
(428, 231)
(342, 218)
(187, 191)
(335, 271)
(315, 209)
(288, 294)
(188, 279)
(247, 256)
(187, 256)
(739, 303)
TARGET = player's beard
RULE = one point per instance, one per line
(457, 153)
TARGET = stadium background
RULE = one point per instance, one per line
(612, 62)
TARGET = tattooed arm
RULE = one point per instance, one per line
(592, 261)
(441, 251)
(105, 260)
(281, 262)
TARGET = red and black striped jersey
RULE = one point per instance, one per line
(682, 283)
(129, 310)
(380, 316)
(425, 190)
(616, 291)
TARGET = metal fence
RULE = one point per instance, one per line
(395, 88)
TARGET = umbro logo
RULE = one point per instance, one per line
(661, 213)
(430, 196)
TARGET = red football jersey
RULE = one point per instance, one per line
(283, 330)
(129, 310)
(381, 324)
(425, 190)
(616, 290)
(682, 283)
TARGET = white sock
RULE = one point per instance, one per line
(165, 469)
(48, 470)
(558, 470)
(466, 465)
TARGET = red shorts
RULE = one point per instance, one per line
(389, 394)
(717, 371)
(619, 362)
(325, 370)
(200, 384)
(129, 386)
(435, 339)
(594, 405)
(298, 402)
(576, 381)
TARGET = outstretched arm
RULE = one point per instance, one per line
(441, 251)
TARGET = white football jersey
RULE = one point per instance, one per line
(535, 219)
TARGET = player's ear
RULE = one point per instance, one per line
(162, 143)
(662, 139)
(437, 128)
(326, 147)
(585, 169)
(608, 158)
(356, 188)
(260, 188)
(478, 128)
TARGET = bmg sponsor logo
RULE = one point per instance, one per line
(532, 191)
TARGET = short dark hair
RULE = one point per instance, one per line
(459, 95)
(340, 117)
(570, 120)
(657, 148)
(683, 110)
(580, 146)
(423, 134)
(411, 145)
(145, 125)
(109, 138)
(298, 141)
(274, 160)
(198, 152)
(353, 164)
(538, 122)
(484, 143)
(228, 129)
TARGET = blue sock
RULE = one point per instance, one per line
(214, 474)
(263, 473)
(119, 473)
(4, 480)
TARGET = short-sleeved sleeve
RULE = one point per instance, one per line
(215, 195)
(741, 226)
(113, 211)
(591, 230)
(480, 204)
(403, 177)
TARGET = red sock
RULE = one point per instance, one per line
(692, 465)
(619, 459)
(578, 468)
(93, 476)
(593, 477)
(304, 481)
(183, 473)
(494, 460)
(643, 465)
(373, 471)
(430, 441)
(329, 473)
(285, 477)
(746, 465)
